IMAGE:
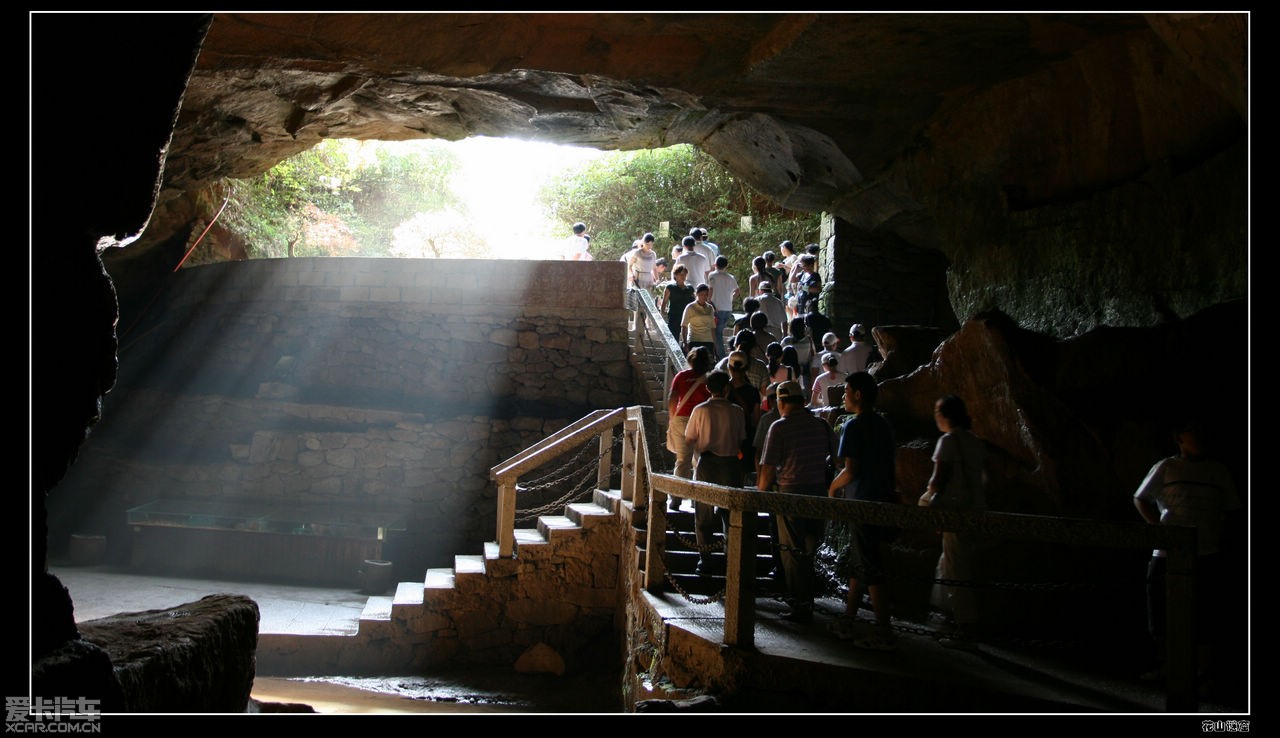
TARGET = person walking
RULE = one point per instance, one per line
(698, 326)
(957, 483)
(865, 459)
(688, 390)
(715, 432)
(676, 296)
(797, 451)
(724, 293)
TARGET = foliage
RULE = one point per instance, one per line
(623, 196)
(339, 198)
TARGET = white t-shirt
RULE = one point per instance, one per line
(854, 358)
(696, 264)
(723, 284)
(1193, 493)
(575, 249)
(825, 380)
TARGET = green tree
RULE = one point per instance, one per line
(622, 196)
(341, 197)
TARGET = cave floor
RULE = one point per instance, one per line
(103, 590)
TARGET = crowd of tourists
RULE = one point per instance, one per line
(772, 400)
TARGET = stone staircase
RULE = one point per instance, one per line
(468, 577)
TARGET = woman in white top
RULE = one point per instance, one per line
(956, 484)
(642, 263)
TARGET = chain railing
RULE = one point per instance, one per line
(648, 489)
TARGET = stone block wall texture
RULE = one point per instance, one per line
(376, 383)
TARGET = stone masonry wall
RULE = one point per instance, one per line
(375, 383)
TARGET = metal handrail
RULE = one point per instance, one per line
(651, 329)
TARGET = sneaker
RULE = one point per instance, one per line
(798, 615)
(959, 644)
(877, 642)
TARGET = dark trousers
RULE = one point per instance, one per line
(707, 519)
(798, 540)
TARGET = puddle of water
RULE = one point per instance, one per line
(500, 690)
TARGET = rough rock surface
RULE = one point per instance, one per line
(197, 657)
(1049, 158)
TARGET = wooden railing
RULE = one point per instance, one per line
(646, 488)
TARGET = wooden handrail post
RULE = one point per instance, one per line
(655, 542)
(507, 518)
(1180, 637)
(739, 593)
(605, 468)
(630, 438)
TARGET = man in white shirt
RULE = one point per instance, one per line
(699, 245)
(716, 431)
(702, 236)
(854, 358)
(575, 248)
(696, 263)
(724, 293)
(774, 307)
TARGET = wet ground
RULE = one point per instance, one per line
(454, 692)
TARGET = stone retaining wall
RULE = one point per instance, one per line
(376, 383)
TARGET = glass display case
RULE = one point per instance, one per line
(288, 518)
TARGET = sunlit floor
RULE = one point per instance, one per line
(101, 591)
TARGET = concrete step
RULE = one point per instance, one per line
(551, 526)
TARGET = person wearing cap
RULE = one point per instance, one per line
(865, 459)
(819, 396)
(854, 358)
(704, 237)
(700, 246)
(715, 432)
(773, 306)
(744, 342)
(797, 450)
(698, 324)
